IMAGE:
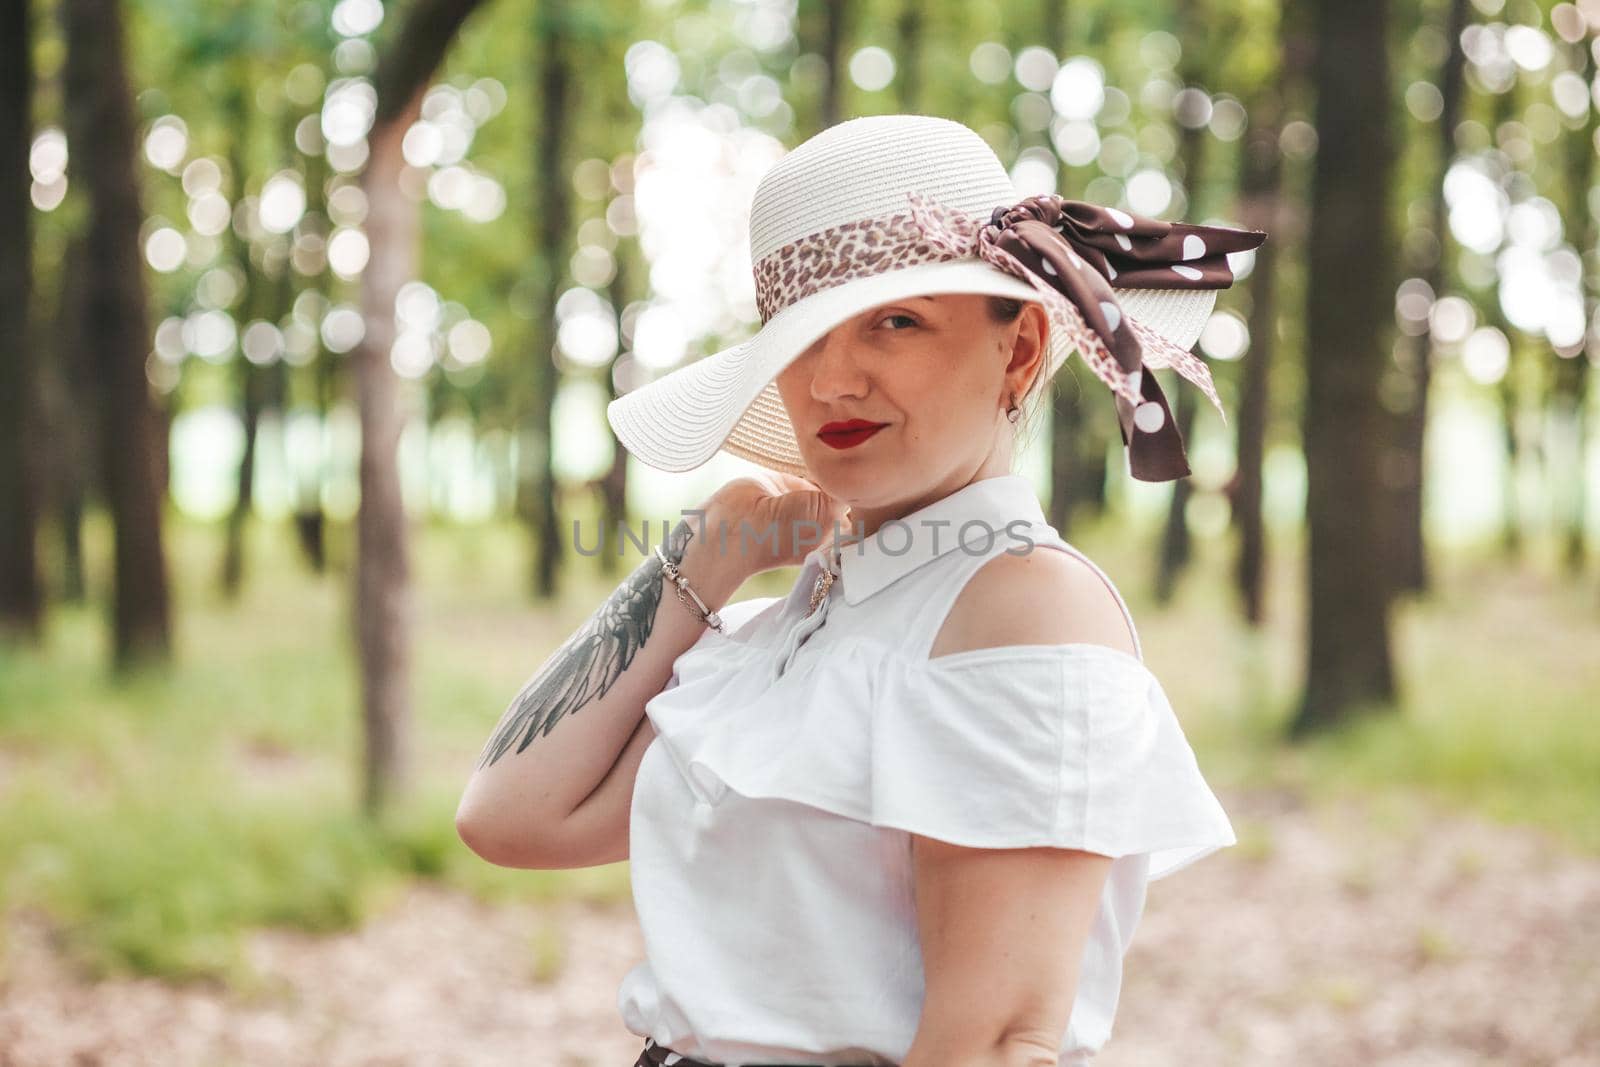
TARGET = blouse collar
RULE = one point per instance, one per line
(904, 544)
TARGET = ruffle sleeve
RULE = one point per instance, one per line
(1070, 746)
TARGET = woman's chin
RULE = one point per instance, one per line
(853, 476)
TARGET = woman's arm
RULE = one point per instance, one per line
(1003, 930)
(577, 729)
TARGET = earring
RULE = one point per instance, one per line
(1013, 413)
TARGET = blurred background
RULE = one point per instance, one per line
(309, 313)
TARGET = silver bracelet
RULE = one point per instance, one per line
(706, 615)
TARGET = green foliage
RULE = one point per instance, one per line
(158, 878)
(155, 821)
(1497, 687)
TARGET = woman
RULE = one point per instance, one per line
(906, 813)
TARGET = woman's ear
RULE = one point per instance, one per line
(1030, 338)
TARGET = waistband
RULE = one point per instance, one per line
(654, 1055)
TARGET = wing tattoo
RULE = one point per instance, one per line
(588, 662)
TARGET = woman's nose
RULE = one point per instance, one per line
(834, 371)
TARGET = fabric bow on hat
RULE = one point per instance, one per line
(1071, 251)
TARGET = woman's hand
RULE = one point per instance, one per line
(771, 519)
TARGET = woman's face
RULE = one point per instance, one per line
(936, 374)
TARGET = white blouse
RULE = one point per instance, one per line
(770, 838)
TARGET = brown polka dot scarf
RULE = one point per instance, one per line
(1070, 251)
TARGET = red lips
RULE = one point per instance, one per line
(849, 433)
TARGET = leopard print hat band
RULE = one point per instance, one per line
(1069, 251)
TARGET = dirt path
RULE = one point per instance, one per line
(1449, 943)
(1317, 941)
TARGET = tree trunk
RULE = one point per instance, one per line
(1573, 373)
(909, 36)
(1077, 445)
(383, 579)
(248, 380)
(246, 375)
(1261, 178)
(622, 120)
(822, 27)
(1511, 433)
(1349, 296)
(1507, 389)
(70, 442)
(613, 485)
(1069, 424)
(102, 132)
(1262, 207)
(1406, 461)
(21, 591)
(833, 54)
(309, 518)
(553, 220)
(1177, 546)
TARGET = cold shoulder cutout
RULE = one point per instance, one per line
(1061, 599)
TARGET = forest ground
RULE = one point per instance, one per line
(1438, 939)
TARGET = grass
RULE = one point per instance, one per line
(1498, 679)
(155, 818)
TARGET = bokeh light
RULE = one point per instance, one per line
(164, 249)
(872, 68)
(1226, 336)
(166, 143)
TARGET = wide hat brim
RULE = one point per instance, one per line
(728, 400)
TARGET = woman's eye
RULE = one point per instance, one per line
(907, 318)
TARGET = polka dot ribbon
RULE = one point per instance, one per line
(1071, 251)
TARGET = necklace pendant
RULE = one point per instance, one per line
(820, 589)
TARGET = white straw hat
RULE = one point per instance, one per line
(883, 207)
